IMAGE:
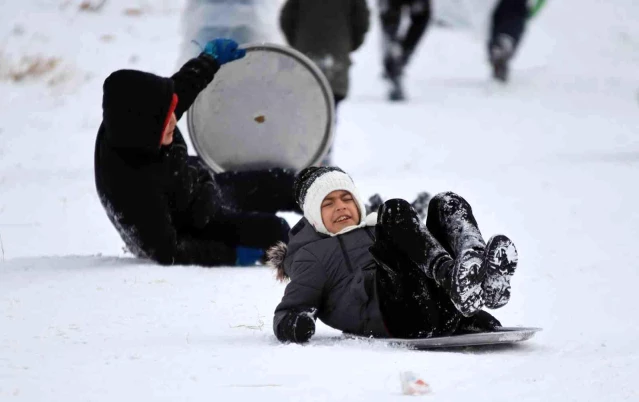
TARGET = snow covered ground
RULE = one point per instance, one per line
(552, 160)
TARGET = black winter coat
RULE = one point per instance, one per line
(165, 204)
(327, 32)
(336, 276)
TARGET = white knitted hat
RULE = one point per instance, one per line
(314, 184)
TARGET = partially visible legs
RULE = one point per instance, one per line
(507, 27)
(390, 13)
(459, 278)
(420, 12)
(267, 191)
(248, 229)
(433, 277)
(413, 305)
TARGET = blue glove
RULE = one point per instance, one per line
(224, 50)
(247, 256)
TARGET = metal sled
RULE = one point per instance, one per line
(272, 108)
(501, 336)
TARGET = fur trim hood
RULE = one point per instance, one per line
(275, 259)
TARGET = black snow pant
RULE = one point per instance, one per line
(248, 202)
(391, 13)
(508, 18)
(412, 304)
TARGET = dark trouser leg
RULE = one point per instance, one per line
(419, 18)
(267, 191)
(509, 18)
(450, 220)
(413, 305)
(254, 229)
(390, 17)
(461, 278)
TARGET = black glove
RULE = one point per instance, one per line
(297, 327)
(480, 322)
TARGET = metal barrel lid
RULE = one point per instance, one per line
(272, 108)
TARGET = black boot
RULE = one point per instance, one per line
(460, 278)
(501, 51)
(451, 220)
(500, 262)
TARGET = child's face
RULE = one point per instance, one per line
(167, 135)
(339, 211)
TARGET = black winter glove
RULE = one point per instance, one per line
(297, 327)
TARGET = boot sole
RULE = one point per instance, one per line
(500, 264)
(467, 292)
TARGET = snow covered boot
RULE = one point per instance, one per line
(461, 278)
(501, 51)
(450, 219)
(500, 262)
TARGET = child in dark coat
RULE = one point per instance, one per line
(386, 274)
(165, 204)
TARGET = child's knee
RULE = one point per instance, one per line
(447, 201)
(395, 212)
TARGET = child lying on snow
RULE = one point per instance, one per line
(400, 279)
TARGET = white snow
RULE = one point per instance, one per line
(552, 160)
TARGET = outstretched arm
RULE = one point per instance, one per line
(192, 78)
(198, 72)
(294, 319)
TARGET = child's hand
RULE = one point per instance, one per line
(297, 327)
(224, 50)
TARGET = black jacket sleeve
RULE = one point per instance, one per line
(288, 20)
(302, 298)
(192, 78)
(360, 22)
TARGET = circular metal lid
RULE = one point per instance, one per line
(272, 108)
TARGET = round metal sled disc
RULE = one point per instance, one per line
(498, 336)
(272, 108)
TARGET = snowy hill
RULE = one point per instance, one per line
(552, 160)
